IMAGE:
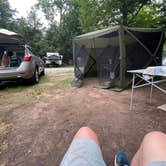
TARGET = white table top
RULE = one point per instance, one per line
(136, 71)
(151, 71)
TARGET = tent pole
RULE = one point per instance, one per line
(122, 57)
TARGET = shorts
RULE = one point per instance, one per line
(157, 163)
(85, 152)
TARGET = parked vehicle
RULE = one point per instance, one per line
(53, 59)
(17, 60)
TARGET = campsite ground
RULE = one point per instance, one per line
(37, 123)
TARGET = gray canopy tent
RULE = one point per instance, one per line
(109, 53)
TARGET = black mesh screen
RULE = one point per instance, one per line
(81, 56)
(108, 63)
(137, 57)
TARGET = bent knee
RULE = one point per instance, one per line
(85, 129)
(87, 132)
(154, 135)
(154, 138)
(153, 147)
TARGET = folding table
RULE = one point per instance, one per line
(147, 75)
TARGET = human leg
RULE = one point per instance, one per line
(152, 149)
(86, 132)
(84, 150)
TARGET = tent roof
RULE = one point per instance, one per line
(9, 37)
(98, 33)
(7, 32)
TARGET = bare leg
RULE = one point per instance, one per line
(153, 148)
(86, 132)
(84, 150)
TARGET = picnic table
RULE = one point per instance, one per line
(147, 78)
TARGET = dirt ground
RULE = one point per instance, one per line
(37, 123)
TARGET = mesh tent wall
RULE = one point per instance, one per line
(109, 53)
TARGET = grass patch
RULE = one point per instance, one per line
(36, 91)
(64, 80)
(6, 120)
(44, 79)
(4, 130)
(5, 117)
(13, 88)
(65, 83)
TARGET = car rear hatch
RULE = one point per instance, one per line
(9, 37)
(14, 61)
(12, 51)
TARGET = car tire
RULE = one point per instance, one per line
(42, 73)
(35, 78)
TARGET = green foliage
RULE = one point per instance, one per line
(59, 38)
(33, 19)
(146, 18)
(127, 8)
(5, 14)
(79, 16)
(52, 8)
(90, 14)
(69, 28)
(161, 7)
(96, 14)
(32, 35)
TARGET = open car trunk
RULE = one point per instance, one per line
(11, 56)
(12, 50)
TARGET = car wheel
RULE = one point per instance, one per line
(42, 73)
(35, 78)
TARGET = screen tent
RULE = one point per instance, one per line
(109, 53)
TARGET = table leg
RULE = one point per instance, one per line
(151, 91)
(132, 92)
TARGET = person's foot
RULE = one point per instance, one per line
(121, 159)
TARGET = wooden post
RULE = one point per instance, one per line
(122, 57)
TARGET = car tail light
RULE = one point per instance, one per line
(27, 58)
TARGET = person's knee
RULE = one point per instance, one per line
(152, 149)
(85, 129)
(87, 132)
(153, 136)
(153, 139)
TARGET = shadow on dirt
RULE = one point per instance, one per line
(13, 85)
